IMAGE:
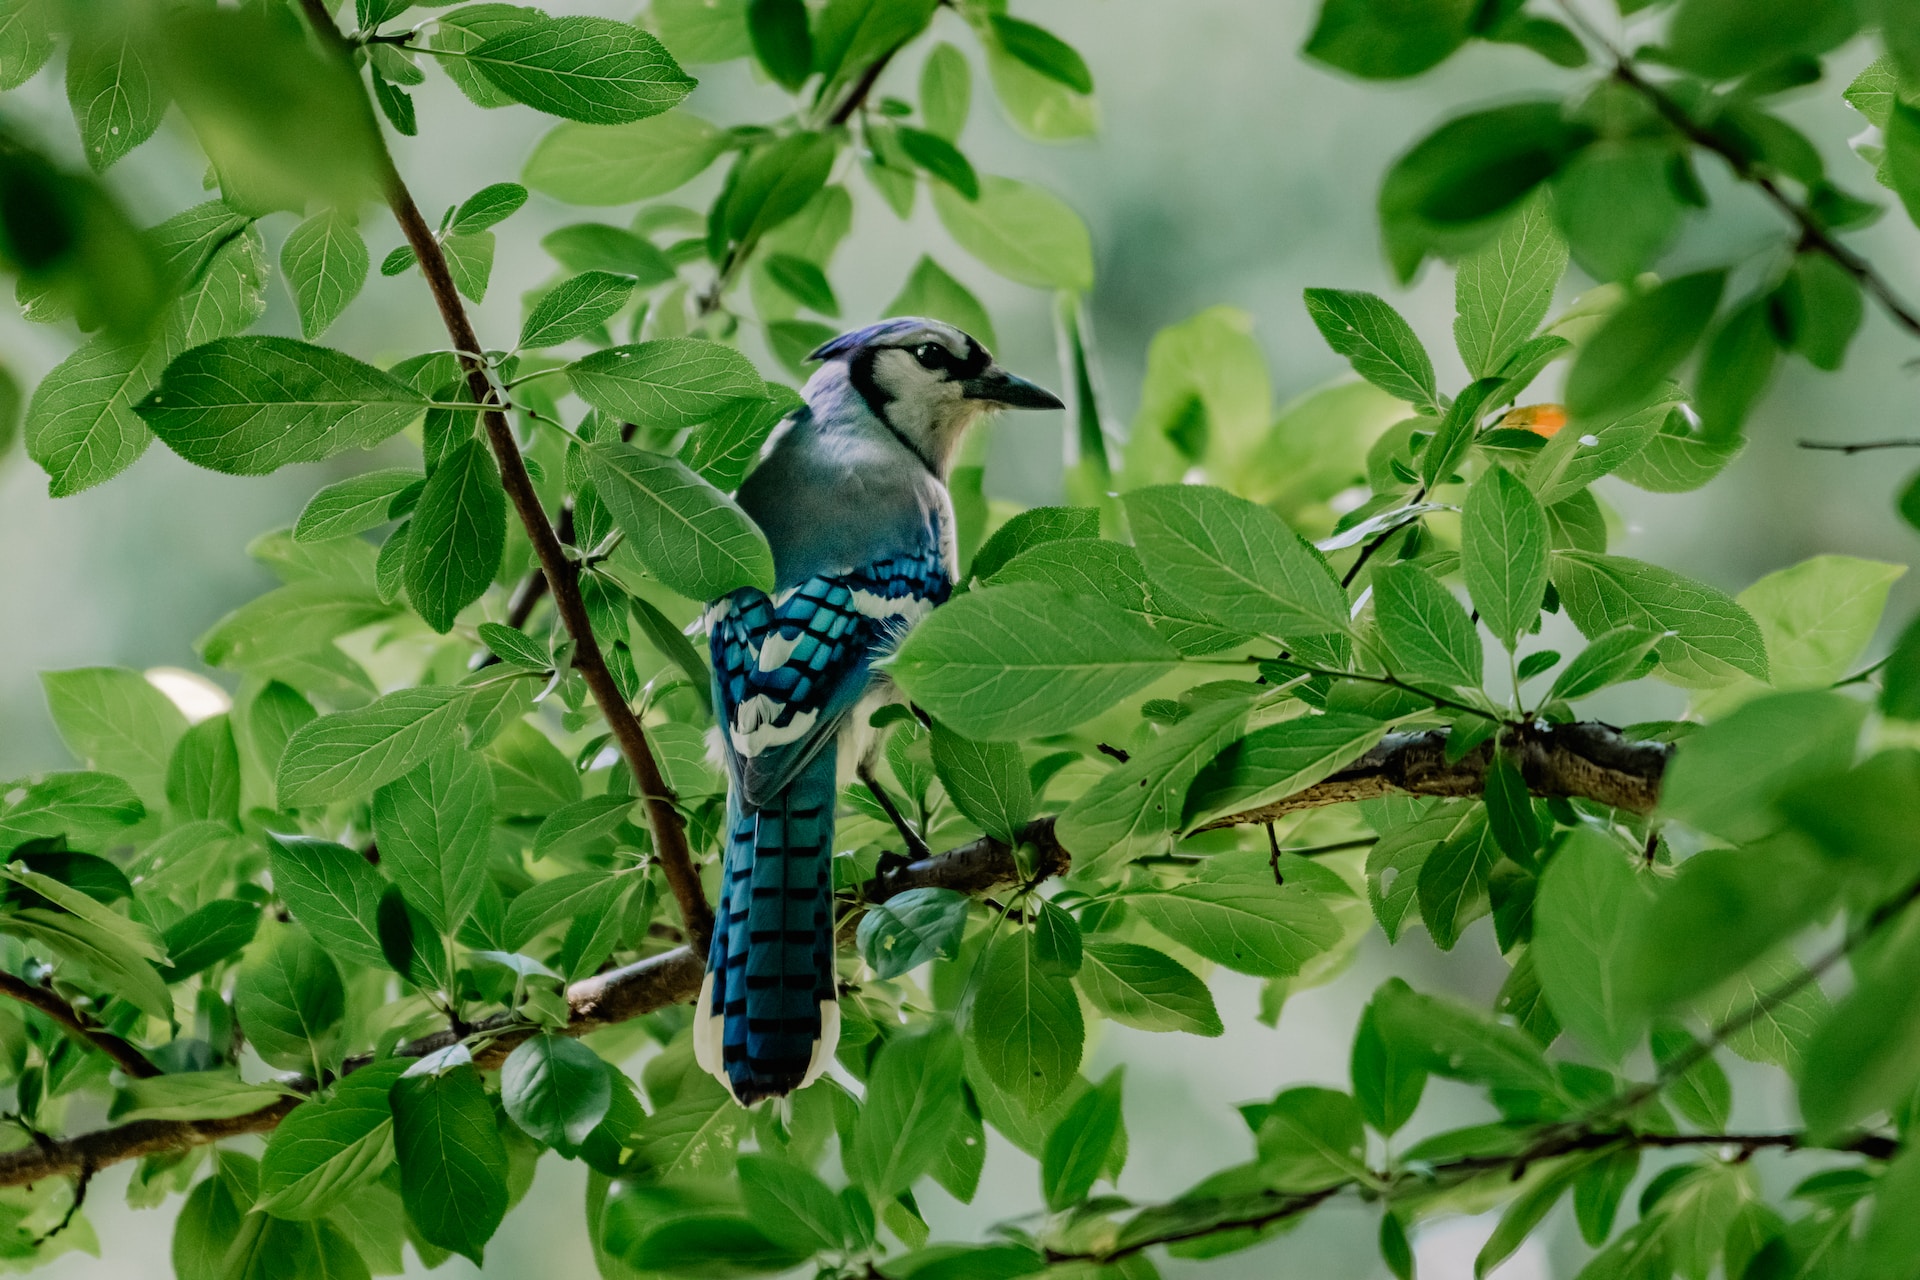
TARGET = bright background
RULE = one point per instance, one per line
(1228, 170)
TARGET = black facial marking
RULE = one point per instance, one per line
(860, 372)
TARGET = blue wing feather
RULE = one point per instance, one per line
(788, 669)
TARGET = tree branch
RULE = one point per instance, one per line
(124, 1054)
(1859, 446)
(669, 833)
(1264, 1209)
(1586, 760)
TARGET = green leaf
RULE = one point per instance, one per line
(781, 40)
(1578, 455)
(487, 207)
(1862, 1060)
(1147, 989)
(289, 622)
(1707, 638)
(1641, 344)
(595, 246)
(668, 383)
(587, 164)
(1310, 1139)
(325, 261)
(457, 536)
(582, 894)
(290, 1001)
(1264, 929)
(1860, 818)
(512, 645)
(1448, 1039)
(1135, 809)
(1613, 657)
(574, 307)
(79, 805)
(1427, 633)
(1234, 562)
(1453, 882)
(333, 892)
(791, 1205)
(775, 183)
(940, 159)
(1081, 1144)
(1818, 616)
(1021, 231)
(203, 775)
(691, 536)
(1528, 1209)
(434, 825)
(1043, 51)
(1013, 661)
(210, 1219)
(453, 1166)
(111, 718)
(905, 931)
(1824, 308)
(1378, 342)
(946, 94)
(1031, 528)
(248, 406)
(1277, 761)
(1502, 292)
(1619, 207)
(470, 263)
(1725, 910)
(268, 1248)
(80, 425)
(26, 41)
(1724, 778)
(672, 644)
(113, 951)
(987, 781)
(1892, 1238)
(1025, 1023)
(1377, 40)
(1503, 553)
(1583, 924)
(929, 291)
(913, 1103)
(349, 753)
(330, 1147)
(117, 94)
(593, 70)
(1387, 1088)
(353, 505)
(1734, 368)
(1721, 39)
(804, 281)
(1056, 940)
(556, 1089)
(1701, 1093)
(1446, 192)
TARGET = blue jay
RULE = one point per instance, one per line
(852, 495)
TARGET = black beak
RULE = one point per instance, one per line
(997, 386)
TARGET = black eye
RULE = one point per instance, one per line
(930, 355)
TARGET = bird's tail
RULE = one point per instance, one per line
(768, 1018)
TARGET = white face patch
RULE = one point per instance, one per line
(925, 406)
(753, 730)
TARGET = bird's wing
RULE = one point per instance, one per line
(788, 668)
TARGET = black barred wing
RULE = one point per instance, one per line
(788, 668)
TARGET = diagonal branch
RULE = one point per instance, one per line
(669, 832)
(123, 1052)
(1585, 760)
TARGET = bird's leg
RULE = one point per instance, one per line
(916, 847)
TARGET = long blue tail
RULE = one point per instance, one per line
(771, 989)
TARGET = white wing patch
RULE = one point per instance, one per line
(776, 649)
(753, 730)
(823, 1048)
(912, 608)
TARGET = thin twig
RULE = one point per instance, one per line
(1813, 233)
(669, 833)
(1859, 446)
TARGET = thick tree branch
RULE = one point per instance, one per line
(124, 1054)
(1587, 760)
(669, 833)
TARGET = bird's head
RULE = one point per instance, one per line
(927, 381)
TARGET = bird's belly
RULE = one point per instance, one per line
(859, 741)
